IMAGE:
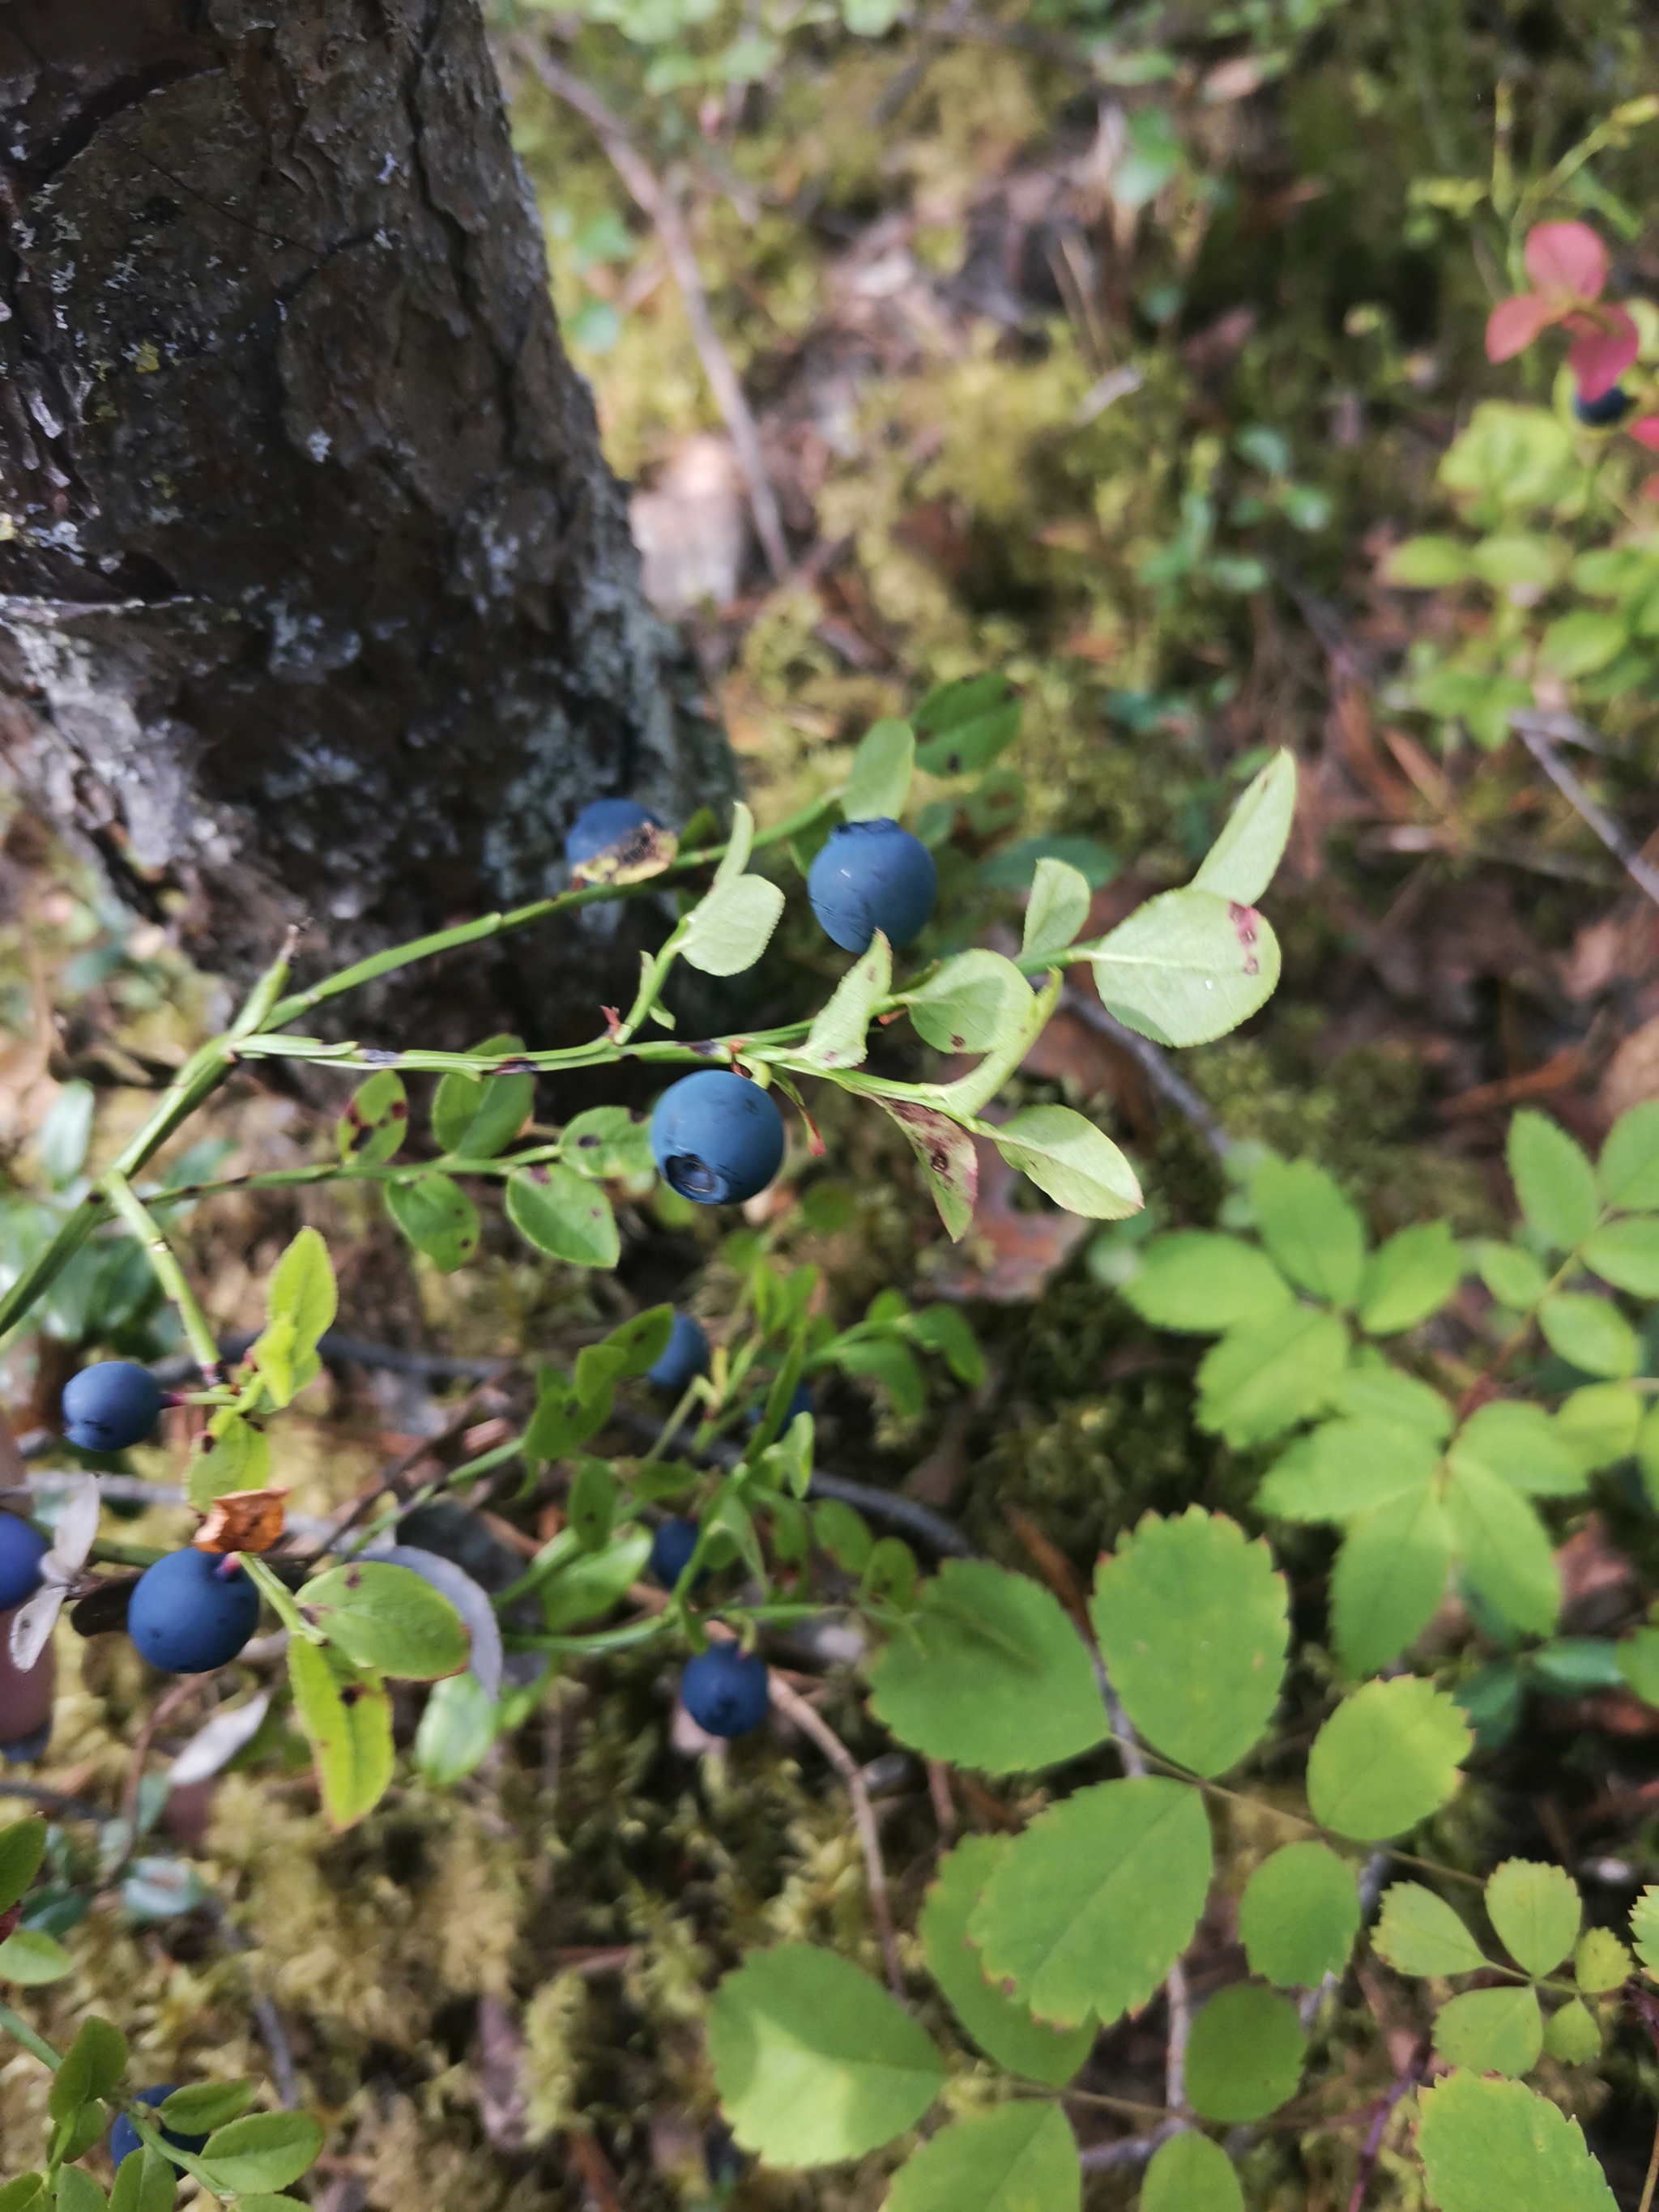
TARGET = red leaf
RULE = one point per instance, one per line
(1514, 324)
(1645, 431)
(1567, 259)
(1601, 355)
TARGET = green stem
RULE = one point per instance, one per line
(606, 1639)
(168, 1272)
(15, 2025)
(653, 974)
(280, 1599)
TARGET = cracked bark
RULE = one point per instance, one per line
(316, 596)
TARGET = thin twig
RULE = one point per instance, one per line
(945, 1806)
(658, 204)
(392, 1475)
(1595, 818)
(1129, 2150)
(795, 1708)
(1154, 1065)
(163, 1711)
(1371, 2149)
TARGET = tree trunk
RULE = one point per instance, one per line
(318, 598)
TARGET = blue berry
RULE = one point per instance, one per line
(671, 1552)
(1600, 414)
(873, 876)
(21, 1550)
(801, 1403)
(111, 1406)
(602, 824)
(192, 1611)
(123, 2136)
(723, 1690)
(684, 1355)
(716, 1137)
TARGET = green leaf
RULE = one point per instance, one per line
(892, 1365)
(1244, 2055)
(1578, 643)
(1535, 1911)
(1193, 1279)
(739, 843)
(205, 2106)
(1554, 1181)
(1300, 1916)
(608, 1144)
(22, 1847)
(1346, 1469)
(593, 1495)
(265, 2150)
(1019, 2157)
(1263, 1378)
(1373, 1390)
(1511, 1274)
(561, 1212)
(1427, 564)
(389, 1618)
(78, 2191)
(1190, 2173)
(960, 700)
(1493, 2031)
(1419, 1933)
(31, 1957)
(641, 1341)
(1002, 2028)
(971, 1003)
(1194, 1626)
(1628, 1169)
(348, 1722)
(474, 1117)
(1410, 1278)
(879, 782)
(1520, 1445)
(1076, 1163)
(965, 747)
(1601, 1962)
(1505, 1549)
(375, 1123)
(1056, 909)
(566, 1415)
(1390, 1577)
(1240, 864)
(457, 1729)
(1386, 1758)
(1095, 1898)
(1637, 1659)
(1644, 1929)
(1627, 1254)
(1313, 1233)
(1186, 967)
(1599, 1423)
(840, 1035)
(591, 1583)
(1572, 2035)
(437, 1217)
(1589, 1333)
(729, 930)
(28, 2193)
(232, 1455)
(813, 2063)
(945, 1153)
(993, 1676)
(302, 1290)
(92, 2066)
(143, 2183)
(945, 1329)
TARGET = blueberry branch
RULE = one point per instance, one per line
(168, 1272)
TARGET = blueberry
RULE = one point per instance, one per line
(683, 1356)
(671, 1552)
(1601, 413)
(873, 876)
(801, 1403)
(123, 2136)
(192, 1611)
(716, 1137)
(21, 1550)
(724, 1692)
(602, 824)
(111, 1406)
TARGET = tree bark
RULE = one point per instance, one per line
(317, 597)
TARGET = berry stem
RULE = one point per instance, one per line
(168, 1272)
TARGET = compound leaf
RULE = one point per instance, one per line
(1535, 1911)
(1389, 1579)
(1410, 1277)
(1197, 1279)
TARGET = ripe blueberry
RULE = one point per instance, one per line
(123, 2136)
(801, 1403)
(111, 1406)
(716, 1137)
(671, 1552)
(21, 1550)
(602, 824)
(683, 1356)
(723, 1690)
(1610, 407)
(872, 876)
(192, 1611)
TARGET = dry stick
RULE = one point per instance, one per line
(796, 1708)
(659, 205)
(181, 1694)
(1152, 1064)
(1537, 739)
(392, 1475)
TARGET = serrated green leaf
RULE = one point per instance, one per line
(1077, 1165)
(1589, 1333)
(1535, 1911)
(1195, 1278)
(22, 1847)
(1628, 1170)
(971, 1003)
(388, 1619)
(1643, 1929)
(1373, 1390)
(1493, 2031)
(1003, 2029)
(1300, 1916)
(1244, 2054)
(374, 1126)
(1260, 1379)
(1057, 908)
(993, 1676)
(1511, 1274)
(813, 2063)
(264, 2150)
(1315, 1237)
(1409, 1278)
(204, 2106)
(879, 781)
(563, 1213)
(840, 1035)
(1519, 1445)
(1345, 1470)
(1194, 1626)
(1186, 967)
(1190, 2173)
(1627, 1254)
(1386, 1758)
(1601, 1962)
(1095, 1900)
(437, 1217)
(30, 1958)
(1240, 865)
(728, 931)
(347, 1722)
(1599, 1423)
(1505, 1549)
(609, 1144)
(1572, 2035)
(1554, 1181)
(92, 2066)
(1389, 1579)
(1418, 1933)
(1020, 2157)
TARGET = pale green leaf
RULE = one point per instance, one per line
(1002, 2028)
(1300, 1916)
(1244, 2054)
(302, 1290)
(457, 1729)
(232, 1455)
(1386, 1758)
(1344, 1470)
(879, 781)
(1578, 643)
(1067, 1156)
(813, 2062)
(1599, 1423)
(739, 844)
(264, 2150)
(1511, 1274)
(347, 1722)
(1020, 2157)
(1427, 564)
(731, 928)
(564, 1213)
(1190, 2173)
(1096, 1898)
(1535, 1911)
(1410, 1277)
(437, 1217)
(1057, 908)
(1240, 864)
(1628, 1169)
(971, 1003)
(1193, 1623)
(1389, 1579)
(1601, 1962)
(992, 1675)
(1195, 1278)
(1419, 1933)
(143, 2183)
(1493, 2031)
(1372, 1390)
(30, 1958)
(1627, 1254)
(28, 2193)
(1554, 1181)
(1505, 1549)
(389, 1618)
(1572, 2035)
(839, 1037)
(1188, 967)
(1589, 1334)
(1520, 1445)
(78, 2191)
(1638, 1657)
(1262, 1379)
(1311, 1230)
(204, 2106)
(92, 2066)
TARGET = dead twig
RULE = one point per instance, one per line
(1540, 741)
(795, 1708)
(1178, 1092)
(163, 1709)
(1129, 2150)
(598, 2173)
(1371, 2149)
(392, 1475)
